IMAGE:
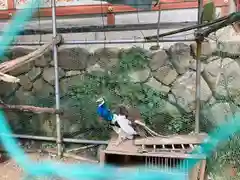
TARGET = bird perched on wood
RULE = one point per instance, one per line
(119, 122)
(125, 122)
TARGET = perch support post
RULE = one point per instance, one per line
(57, 93)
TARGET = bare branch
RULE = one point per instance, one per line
(13, 64)
(26, 108)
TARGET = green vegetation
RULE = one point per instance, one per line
(226, 156)
(117, 88)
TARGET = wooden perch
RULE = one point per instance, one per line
(26, 108)
(13, 64)
(9, 66)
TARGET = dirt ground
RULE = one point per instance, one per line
(9, 170)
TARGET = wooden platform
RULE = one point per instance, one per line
(129, 154)
(134, 148)
(176, 139)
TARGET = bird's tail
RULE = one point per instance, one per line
(124, 123)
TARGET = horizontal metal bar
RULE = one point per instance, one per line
(124, 41)
(53, 139)
(117, 27)
(84, 141)
(43, 138)
(40, 43)
(103, 42)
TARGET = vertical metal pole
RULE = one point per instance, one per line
(198, 71)
(198, 87)
(158, 25)
(200, 10)
(55, 58)
(156, 47)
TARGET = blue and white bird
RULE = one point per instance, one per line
(119, 122)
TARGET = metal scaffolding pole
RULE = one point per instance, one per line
(57, 94)
(158, 24)
(198, 71)
(123, 41)
(53, 139)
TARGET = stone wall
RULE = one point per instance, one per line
(170, 72)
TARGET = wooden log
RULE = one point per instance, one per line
(13, 64)
(26, 108)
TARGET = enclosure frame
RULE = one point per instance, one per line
(59, 140)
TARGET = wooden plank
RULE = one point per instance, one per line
(176, 139)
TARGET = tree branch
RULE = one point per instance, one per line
(34, 109)
(13, 64)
